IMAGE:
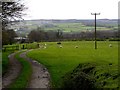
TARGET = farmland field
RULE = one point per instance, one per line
(60, 61)
(67, 25)
(74, 27)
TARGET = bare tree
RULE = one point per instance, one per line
(11, 11)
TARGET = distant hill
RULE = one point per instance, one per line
(67, 25)
(48, 21)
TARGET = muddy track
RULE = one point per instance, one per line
(13, 71)
(40, 76)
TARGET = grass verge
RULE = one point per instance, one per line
(5, 61)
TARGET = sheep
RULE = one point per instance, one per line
(39, 46)
(60, 46)
(110, 45)
(45, 44)
(76, 46)
(44, 47)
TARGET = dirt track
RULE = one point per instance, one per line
(40, 76)
(13, 71)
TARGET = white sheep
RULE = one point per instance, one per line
(44, 47)
(76, 46)
(45, 44)
(110, 45)
(60, 46)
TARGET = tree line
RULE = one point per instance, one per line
(58, 35)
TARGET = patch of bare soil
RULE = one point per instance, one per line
(14, 70)
(40, 76)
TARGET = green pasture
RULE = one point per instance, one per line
(74, 27)
(60, 61)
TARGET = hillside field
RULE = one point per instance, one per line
(74, 27)
(68, 26)
(60, 61)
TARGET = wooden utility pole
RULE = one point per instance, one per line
(95, 28)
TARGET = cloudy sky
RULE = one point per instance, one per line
(71, 9)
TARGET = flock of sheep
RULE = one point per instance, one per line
(60, 46)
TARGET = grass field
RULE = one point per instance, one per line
(74, 27)
(59, 61)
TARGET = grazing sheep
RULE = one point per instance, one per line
(39, 46)
(44, 47)
(76, 46)
(110, 45)
(45, 44)
(60, 46)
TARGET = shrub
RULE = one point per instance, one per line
(79, 78)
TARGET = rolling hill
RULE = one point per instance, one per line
(67, 25)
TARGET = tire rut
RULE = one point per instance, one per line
(40, 76)
(13, 71)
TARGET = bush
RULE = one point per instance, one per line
(79, 79)
(58, 42)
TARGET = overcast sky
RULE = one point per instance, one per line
(71, 9)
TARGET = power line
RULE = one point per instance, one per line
(95, 28)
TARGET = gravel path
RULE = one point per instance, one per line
(13, 71)
(40, 76)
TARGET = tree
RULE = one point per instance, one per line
(33, 36)
(11, 11)
(8, 37)
(4, 37)
(37, 35)
(59, 34)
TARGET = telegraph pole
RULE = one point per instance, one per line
(95, 28)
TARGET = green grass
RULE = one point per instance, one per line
(33, 45)
(5, 61)
(75, 27)
(59, 61)
(12, 47)
(24, 77)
